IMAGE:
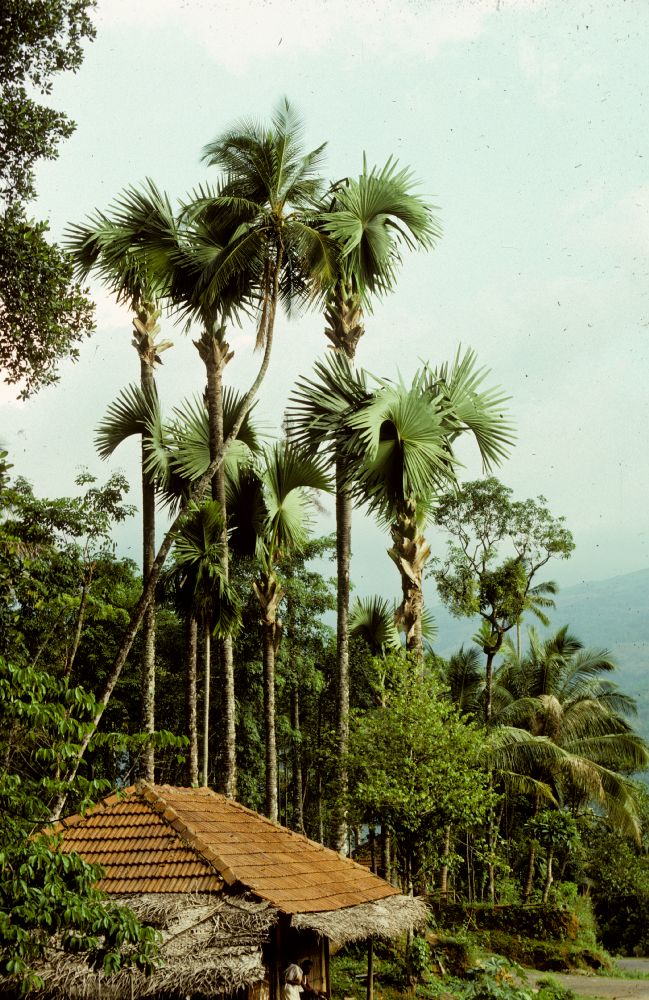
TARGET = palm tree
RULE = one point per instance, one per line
(198, 551)
(401, 457)
(177, 454)
(242, 248)
(372, 619)
(555, 695)
(272, 507)
(104, 246)
(370, 218)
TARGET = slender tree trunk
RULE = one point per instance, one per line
(488, 688)
(385, 870)
(207, 693)
(216, 354)
(269, 628)
(191, 714)
(319, 809)
(491, 652)
(343, 559)
(298, 811)
(443, 875)
(148, 557)
(137, 615)
(531, 859)
(344, 318)
(549, 879)
(81, 616)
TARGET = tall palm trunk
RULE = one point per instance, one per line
(410, 552)
(343, 559)
(215, 353)
(191, 715)
(344, 317)
(272, 810)
(269, 594)
(145, 327)
(206, 656)
(298, 810)
(443, 874)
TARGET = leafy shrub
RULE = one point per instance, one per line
(421, 964)
(497, 979)
(550, 989)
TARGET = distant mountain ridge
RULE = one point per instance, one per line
(608, 614)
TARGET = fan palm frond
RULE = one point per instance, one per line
(372, 618)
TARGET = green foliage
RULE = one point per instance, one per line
(550, 989)
(497, 979)
(554, 828)
(45, 312)
(419, 958)
(423, 771)
(498, 545)
(46, 895)
(619, 873)
(37, 42)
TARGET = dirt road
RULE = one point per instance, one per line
(602, 986)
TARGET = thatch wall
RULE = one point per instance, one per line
(385, 918)
(210, 945)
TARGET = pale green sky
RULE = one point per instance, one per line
(526, 123)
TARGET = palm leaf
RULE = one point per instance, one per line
(372, 619)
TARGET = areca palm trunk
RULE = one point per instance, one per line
(343, 559)
(344, 317)
(206, 656)
(443, 874)
(191, 715)
(409, 552)
(145, 327)
(269, 594)
(298, 810)
(215, 353)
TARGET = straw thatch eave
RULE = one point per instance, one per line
(384, 918)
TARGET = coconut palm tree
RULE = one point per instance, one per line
(103, 246)
(558, 692)
(272, 506)
(562, 729)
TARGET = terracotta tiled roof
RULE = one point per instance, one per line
(164, 839)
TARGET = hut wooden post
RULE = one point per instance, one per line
(370, 969)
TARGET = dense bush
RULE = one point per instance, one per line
(542, 922)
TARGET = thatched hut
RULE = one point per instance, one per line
(235, 897)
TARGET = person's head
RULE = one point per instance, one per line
(293, 975)
(307, 966)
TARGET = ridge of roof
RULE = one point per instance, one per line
(258, 817)
(184, 830)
